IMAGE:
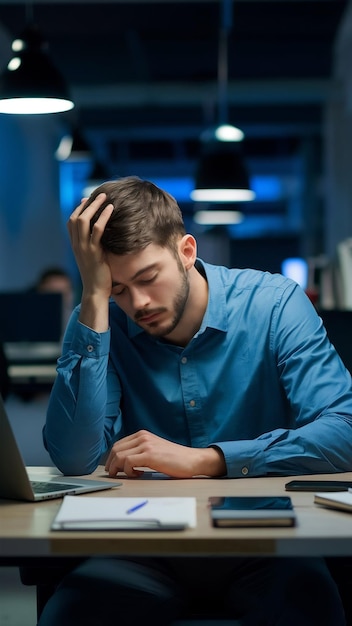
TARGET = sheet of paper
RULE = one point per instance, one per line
(79, 512)
(340, 499)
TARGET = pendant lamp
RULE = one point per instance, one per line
(74, 147)
(31, 84)
(97, 176)
(221, 175)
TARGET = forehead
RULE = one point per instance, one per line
(56, 283)
(126, 266)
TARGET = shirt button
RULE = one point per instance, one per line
(192, 403)
(184, 360)
(244, 471)
(90, 348)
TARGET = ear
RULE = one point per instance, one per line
(188, 251)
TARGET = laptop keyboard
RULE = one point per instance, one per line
(40, 486)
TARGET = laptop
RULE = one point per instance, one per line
(15, 482)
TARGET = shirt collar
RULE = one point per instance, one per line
(216, 314)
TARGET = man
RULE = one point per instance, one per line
(190, 369)
(57, 280)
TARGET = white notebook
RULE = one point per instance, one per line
(92, 513)
(337, 500)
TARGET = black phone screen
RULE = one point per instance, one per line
(318, 485)
(252, 503)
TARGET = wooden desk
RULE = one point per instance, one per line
(25, 527)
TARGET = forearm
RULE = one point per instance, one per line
(94, 312)
(74, 430)
(321, 447)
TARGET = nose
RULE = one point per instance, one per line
(139, 298)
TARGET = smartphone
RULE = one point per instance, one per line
(318, 485)
(229, 511)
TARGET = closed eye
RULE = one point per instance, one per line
(121, 290)
(118, 293)
(148, 280)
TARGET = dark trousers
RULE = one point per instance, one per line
(259, 591)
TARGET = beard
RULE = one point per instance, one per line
(178, 308)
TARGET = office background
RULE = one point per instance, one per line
(143, 76)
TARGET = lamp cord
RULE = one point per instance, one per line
(29, 12)
(226, 23)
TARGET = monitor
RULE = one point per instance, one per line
(30, 317)
(338, 324)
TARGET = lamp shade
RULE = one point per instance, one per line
(221, 175)
(97, 176)
(74, 147)
(31, 83)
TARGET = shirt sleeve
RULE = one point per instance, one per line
(318, 388)
(80, 425)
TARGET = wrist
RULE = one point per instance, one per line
(94, 312)
(212, 462)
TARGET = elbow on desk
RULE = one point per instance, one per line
(73, 467)
(72, 464)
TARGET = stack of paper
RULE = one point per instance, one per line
(91, 513)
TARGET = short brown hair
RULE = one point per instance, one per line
(143, 214)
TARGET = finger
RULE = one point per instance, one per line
(94, 205)
(113, 466)
(127, 442)
(84, 212)
(78, 209)
(134, 461)
(82, 221)
(135, 473)
(115, 461)
(89, 234)
(71, 220)
(130, 465)
(119, 453)
(81, 207)
(118, 456)
(72, 225)
(100, 224)
(108, 462)
(128, 446)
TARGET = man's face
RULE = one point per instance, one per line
(151, 287)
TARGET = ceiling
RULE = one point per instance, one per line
(144, 74)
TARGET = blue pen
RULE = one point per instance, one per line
(136, 507)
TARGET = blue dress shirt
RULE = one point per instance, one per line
(259, 380)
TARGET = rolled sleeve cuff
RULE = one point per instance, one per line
(89, 343)
(244, 458)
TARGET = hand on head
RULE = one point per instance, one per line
(85, 242)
